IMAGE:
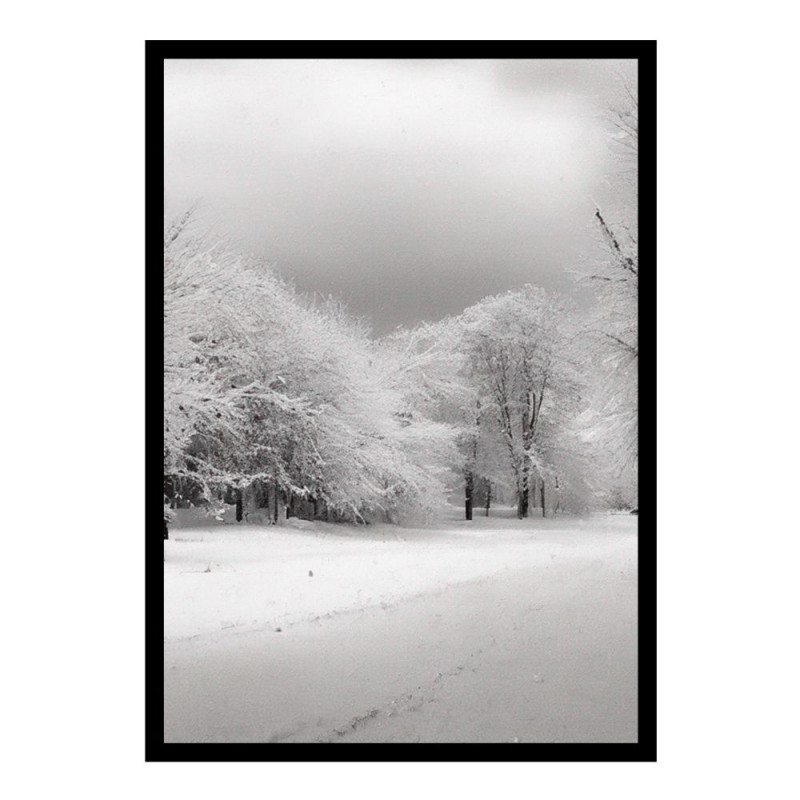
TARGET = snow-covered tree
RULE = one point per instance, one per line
(519, 351)
(382, 454)
(612, 333)
(431, 372)
(229, 420)
(266, 391)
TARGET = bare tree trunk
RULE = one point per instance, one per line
(523, 499)
(488, 496)
(544, 507)
(469, 475)
(523, 494)
(274, 503)
(239, 504)
(522, 507)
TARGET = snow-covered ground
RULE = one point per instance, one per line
(495, 630)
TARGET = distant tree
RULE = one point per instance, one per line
(518, 345)
(441, 382)
(427, 368)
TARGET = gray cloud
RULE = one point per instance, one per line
(409, 189)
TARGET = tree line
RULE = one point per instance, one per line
(274, 400)
(280, 402)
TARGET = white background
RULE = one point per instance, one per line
(72, 319)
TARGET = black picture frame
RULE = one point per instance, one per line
(156, 52)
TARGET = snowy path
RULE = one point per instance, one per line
(517, 635)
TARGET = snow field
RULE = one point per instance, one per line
(224, 578)
(494, 630)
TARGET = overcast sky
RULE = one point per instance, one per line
(410, 189)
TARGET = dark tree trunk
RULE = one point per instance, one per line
(544, 507)
(166, 530)
(488, 496)
(274, 504)
(523, 493)
(522, 508)
(522, 501)
(239, 505)
(469, 475)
